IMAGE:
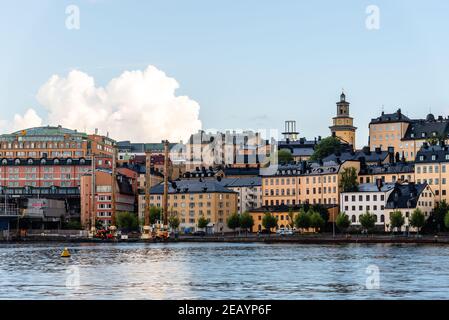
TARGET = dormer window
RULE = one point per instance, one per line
(423, 134)
(412, 135)
(434, 134)
(434, 157)
(447, 156)
(421, 158)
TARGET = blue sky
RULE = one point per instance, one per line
(249, 64)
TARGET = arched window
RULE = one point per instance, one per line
(4, 161)
(56, 161)
(43, 161)
(69, 161)
(17, 161)
(30, 161)
(82, 161)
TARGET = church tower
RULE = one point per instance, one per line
(343, 125)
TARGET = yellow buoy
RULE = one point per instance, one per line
(65, 253)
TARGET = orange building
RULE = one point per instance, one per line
(298, 184)
(53, 142)
(102, 200)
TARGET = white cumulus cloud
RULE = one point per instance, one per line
(28, 120)
(140, 106)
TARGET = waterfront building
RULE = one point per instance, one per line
(408, 197)
(53, 142)
(124, 198)
(432, 167)
(371, 197)
(382, 199)
(313, 183)
(249, 191)
(404, 134)
(37, 173)
(38, 207)
(191, 199)
(343, 124)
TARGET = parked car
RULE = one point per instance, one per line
(288, 232)
(280, 231)
(199, 233)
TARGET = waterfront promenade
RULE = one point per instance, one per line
(54, 236)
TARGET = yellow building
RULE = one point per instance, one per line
(343, 125)
(388, 173)
(406, 198)
(298, 184)
(191, 199)
(432, 167)
(406, 135)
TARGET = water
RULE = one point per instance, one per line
(223, 271)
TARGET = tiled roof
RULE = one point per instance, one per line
(424, 129)
(405, 196)
(397, 167)
(432, 154)
(191, 186)
(390, 117)
(241, 182)
(370, 156)
(372, 187)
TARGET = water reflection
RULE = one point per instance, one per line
(223, 271)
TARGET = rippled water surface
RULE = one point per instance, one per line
(222, 271)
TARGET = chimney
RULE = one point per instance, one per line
(391, 155)
(379, 184)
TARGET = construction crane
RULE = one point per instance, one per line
(147, 228)
(160, 229)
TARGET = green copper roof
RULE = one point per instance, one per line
(48, 131)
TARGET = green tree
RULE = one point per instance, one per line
(269, 221)
(233, 221)
(342, 221)
(418, 219)
(316, 221)
(446, 220)
(396, 220)
(203, 222)
(368, 221)
(246, 221)
(440, 214)
(174, 222)
(348, 180)
(127, 221)
(326, 147)
(155, 214)
(302, 220)
(284, 156)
